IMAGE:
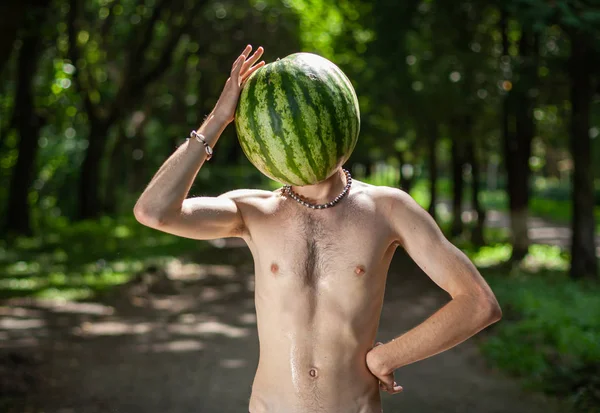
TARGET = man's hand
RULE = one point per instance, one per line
(240, 71)
(377, 368)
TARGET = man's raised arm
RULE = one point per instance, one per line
(163, 204)
(473, 305)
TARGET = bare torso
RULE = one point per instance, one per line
(320, 281)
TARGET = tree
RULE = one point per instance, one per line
(519, 128)
(583, 59)
(103, 108)
(12, 16)
(26, 121)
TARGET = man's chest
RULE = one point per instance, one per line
(313, 248)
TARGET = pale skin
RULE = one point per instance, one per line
(320, 274)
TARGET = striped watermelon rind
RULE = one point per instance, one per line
(298, 119)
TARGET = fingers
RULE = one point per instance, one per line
(396, 389)
(393, 389)
(388, 384)
(242, 67)
(249, 62)
(252, 70)
(241, 58)
(237, 67)
(246, 51)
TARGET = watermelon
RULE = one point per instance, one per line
(298, 119)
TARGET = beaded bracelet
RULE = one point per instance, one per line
(200, 138)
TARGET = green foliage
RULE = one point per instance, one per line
(540, 257)
(571, 14)
(413, 63)
(549, 335)
(76, 261)
(548, 201)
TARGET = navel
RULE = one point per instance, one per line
(274, 268)
(313, 373)
(359, 270)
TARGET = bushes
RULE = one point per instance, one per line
(550, 334)
(76, 261)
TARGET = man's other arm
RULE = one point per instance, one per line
(472, 308)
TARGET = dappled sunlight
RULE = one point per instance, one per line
(539, 230)
(233, 363)
(179, 270)
(221, 271)
(19, 312)
(209, 328)
(489, 256)
(112, 328)
(248, 318)
(169, 304)
(550, 235)
(485, 113)
(540, 257)
(495, 218)
(185, 271)
(174, 346)
(469, 216)
(187, 318)
(74, 307)
(211, 294)
(11, 323)
(21, 327)
(443, 211)
(228, 243)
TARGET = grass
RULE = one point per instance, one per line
(550, 333)
(76, 261)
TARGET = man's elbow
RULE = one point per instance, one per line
(489, 309)
(147, 217)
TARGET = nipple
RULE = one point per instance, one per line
(359, 270)
(274, 268)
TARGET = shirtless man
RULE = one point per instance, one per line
(321, 274)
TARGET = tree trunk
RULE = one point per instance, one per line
(28, 125)
(524, 132)
(477, 237)
(138, 75)
(371, 168)
(457, 188)
(518, 112)
(116, 172)
(433, 131)
(406, 183)
(12, 15)
(583, 247)
(90, 206)
(139, 161)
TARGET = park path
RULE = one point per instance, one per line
(540, 230)
(189, 345)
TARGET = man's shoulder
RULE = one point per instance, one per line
(397, 205)
(248, 195)
(390, 194)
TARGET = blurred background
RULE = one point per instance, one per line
(486, 112)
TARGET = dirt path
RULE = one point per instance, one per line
(196, 351)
